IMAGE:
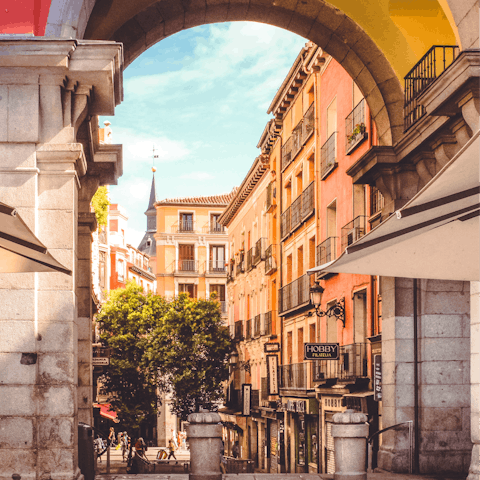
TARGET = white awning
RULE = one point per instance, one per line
(435, 235)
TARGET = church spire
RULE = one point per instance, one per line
(148, 244)
(153, 194)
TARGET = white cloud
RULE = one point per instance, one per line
(198, 176)
(134, 237)
(140, 190)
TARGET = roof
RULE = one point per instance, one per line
(212, 200)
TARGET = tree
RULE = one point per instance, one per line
(190, 348)
(126, 321)
(100, 205)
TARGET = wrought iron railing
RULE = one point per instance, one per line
(352, 364)
(294, 376)
(264, 389)
(377, 200)
(308, 123)
(270, 259)
(327, 251)
(295, 294)
(186, 266)
(328, 155)
(217, 266)
(287, 156)
(308, 201)
(257, 321)
(250, 253)
(239, 330)
(268, 322)
(355, 130)
(255, 398)
(240, 266)
(214, 228)
(422, 75)
(248, 329)
(296, 213)
(271, 195)
(297, 139)
(183, 226)
(259, 253)
(285, 223)
(353, 231)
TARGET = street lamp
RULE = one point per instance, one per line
(337, 310)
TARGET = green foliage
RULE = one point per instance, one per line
(179, 346)
(100, 205)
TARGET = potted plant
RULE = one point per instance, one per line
(358, 130)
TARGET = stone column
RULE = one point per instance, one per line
(41, 164)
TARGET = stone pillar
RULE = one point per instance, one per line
(443, 374)
(41, 164)
(350, 433)
(474, 471)
(204, 434)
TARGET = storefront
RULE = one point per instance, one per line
(330, 406)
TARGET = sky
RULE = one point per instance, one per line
(200, 99)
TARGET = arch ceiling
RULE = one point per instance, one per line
(376, 41)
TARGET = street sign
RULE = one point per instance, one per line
(100, 361)
(377, 378)
(321, 351)
(271, 347)
(247, 399)
(272, 369)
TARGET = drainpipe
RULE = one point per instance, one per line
(415, 378)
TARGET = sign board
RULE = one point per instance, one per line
(97, 361)
(321, 351)
(247, 399)
(271, 347)
(377, 378)
(272, 372)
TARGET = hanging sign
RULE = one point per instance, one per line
(247, 399)
(321, 351)
(377, 378)
(272, 372)
(271, 347)
(98, 361)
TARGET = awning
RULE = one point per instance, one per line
(20, 249)
(106, 412)
(435, 235)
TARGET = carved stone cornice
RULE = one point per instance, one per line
(368, 166)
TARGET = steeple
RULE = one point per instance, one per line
(148, 244)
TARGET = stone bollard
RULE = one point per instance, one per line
(204, 434)
(350, 432)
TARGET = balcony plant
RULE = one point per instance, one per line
(357, 131)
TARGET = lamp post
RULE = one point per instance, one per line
(337, 310)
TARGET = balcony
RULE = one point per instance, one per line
(377, 201)
(328, 156)
(213, 228)
(216, 267)
(240, 267)
(296, 213)
(250, 254)
(270, 259)
(295, 295)
(264, 389)
(301, 208)
(271, 197)
(352, 364)
(285, 223)
(308, 123)
(353, 231)
(259, 253)
(257, 322)
(186, 266)
(423, 74)
(294, 377)
(355, 130)
(255, 399)
(268, 322)
(239, 330)
(308, 201)
(327, 251)
(183, 226)
(287, 156)
(297, 139)
(248, 330)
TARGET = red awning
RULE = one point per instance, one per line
(106, 412)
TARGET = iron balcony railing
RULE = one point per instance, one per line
(268, 323)
(328, 155)
(351, 364)
(287, 149)
(259, 253)
(271, 196)
(257, 321)
(295, 294)
(296, 212)
(327, 251)
(270, 259)
(264, 389)
(248, 330)
(377, 200)
(184, 226)
(308, 201)
(308, 123)
(301, 208)
(186, 266)
(297, 139)
(217, 266)
(255, 399)
(240, 266)
(353, 231)
(213, 227)
(294, 376)
(422, 75)
(250, 259)
(355, 130)
(239, 330)
(285, 223)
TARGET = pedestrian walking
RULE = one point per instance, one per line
(236, 450)
(124, 445)
(171, 448)
(140, 447)
(111, 437)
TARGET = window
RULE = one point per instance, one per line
(332, 327)
(311, 252)
(120, 271)
(219, 290)
(215, 227)
(332, 118)
(357, 95)
(359, 200)
(186, 258)
(189, 288)
(103, 269)
(186, 222)
(217, 258)
(300, 262)
(289, 347)
(300, 346)
(289, 268)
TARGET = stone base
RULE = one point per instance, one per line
(205, 477)
(350, 476)
(474, 471)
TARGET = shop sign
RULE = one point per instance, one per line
(297, 406)
(377, 378)
(272, 372)
(301, 404)
(247, 399)
(321, 351)
(271, 347)
(333, 404)
(100, 361)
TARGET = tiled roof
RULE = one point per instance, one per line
(223, 199)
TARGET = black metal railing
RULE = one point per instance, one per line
(327, 251)
(270, 259)
(248, 329)
(186, 266)
(353, 231)
(184, 226)
(296, 213)
(217, 266)
(328, 155)
(264, 389)
(259, 253)
(295, 294)
(351, 364)
(297, 139)
(287, 156)
(294, 376)
(240, 266)
(308, 201)
(271, 196)
(301, 208)
(257, 321)
(239, 330)
(377, 200)
(285, 223)
(255, 399)
(250, 253)
(355, 130)
(422, 75)
(308, 123)
(213, 227)
(268, 322)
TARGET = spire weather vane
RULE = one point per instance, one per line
(154, 156)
